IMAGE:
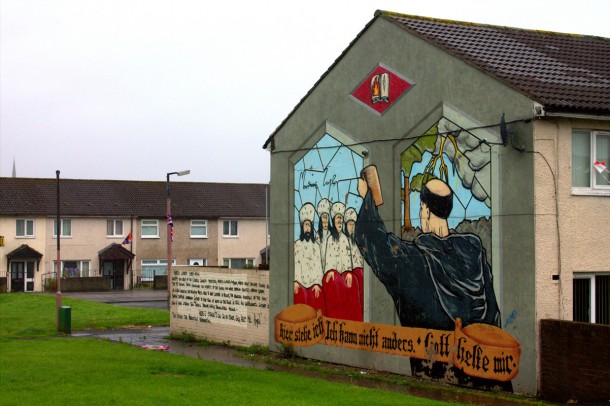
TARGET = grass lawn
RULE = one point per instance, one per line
(33, 315)
(79, 371)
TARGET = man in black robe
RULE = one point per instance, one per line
(434, 279)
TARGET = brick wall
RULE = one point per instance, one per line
(221, 304)
(89, 284)
(574, 361)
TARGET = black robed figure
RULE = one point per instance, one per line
(434, 279)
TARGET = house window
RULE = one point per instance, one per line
(114, 228)
(153, 267)
(199, 228)
(229, 228)
(150, 228)
(66, 228)
(73, 269)
(198, 262)
(589, 147)
(239, 263)
(591, 302)
(24, 228)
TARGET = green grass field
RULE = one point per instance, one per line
(33, 315)
(56, 370)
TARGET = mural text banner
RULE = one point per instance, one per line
(480, 350)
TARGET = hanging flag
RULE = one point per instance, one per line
(170, 223)
(127, 239)
(600, 166)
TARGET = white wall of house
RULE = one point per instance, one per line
(571, 230)
(251, 239)
(11, 242)
(575, 241)
(88, 237)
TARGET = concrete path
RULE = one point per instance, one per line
(147, 298)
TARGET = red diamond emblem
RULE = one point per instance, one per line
(381, 89)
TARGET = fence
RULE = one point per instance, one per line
(574, 361)
(76, 284)
(157, 279)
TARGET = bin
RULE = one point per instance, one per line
(65, 319)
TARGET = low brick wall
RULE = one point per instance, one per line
(160, 282)
(221, 304)
(92, 284)
(574, 361)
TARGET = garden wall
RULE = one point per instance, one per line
(85, 284)
(220, 304)
(574, 361)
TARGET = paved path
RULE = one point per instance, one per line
(147, 298)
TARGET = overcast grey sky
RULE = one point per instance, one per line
(104, 89)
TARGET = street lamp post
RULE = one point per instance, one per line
(58, 298)
(169, 236)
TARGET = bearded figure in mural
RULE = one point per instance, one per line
(341, 285)
(323, 227)
(357, 261)
(433, 280)
(308, 263)
(349, 229)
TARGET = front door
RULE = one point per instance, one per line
(115, 270)
(22, 276)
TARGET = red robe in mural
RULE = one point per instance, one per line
(342, 284)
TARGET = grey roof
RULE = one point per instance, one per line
(565, 73)
(80, 197)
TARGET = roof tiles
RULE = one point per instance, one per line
(35, 196)
(563, 72)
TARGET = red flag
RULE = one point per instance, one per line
(127, 239)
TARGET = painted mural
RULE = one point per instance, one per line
(437, 271)
(328, 266)
(381, 89)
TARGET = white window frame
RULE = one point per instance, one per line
(200, 261)
(80, 267)
(592, 290)
(230, 234)
(63, 228)
(202, 223)
(593, 188)
(227, 262)
(114, 228)
(25, 228)
(155, 263)
(151, 221)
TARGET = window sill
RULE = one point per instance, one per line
(25, 236)
(199, 237)
(230, 236)
(590, 192)
(151, 237)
